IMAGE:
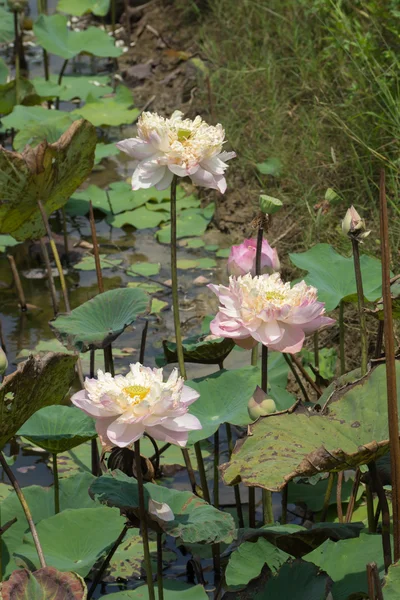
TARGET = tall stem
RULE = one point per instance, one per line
(143, 342)
(25, 508)
(285, 493)
(56, 485)
(316, 349)
(376, 480)
(17, 281)
(174, 278)
(341, 338)
(391, 384)
(202, 471)
(50, 278)
(17, 58)
(360, 301)
(106, 562)
(370, 508)
(216, 547)
(327, 496)
(289, 361)
(143, 522)
(96, 470)
(236, 488)
(339, 496)
(160, 586)
(60, 76)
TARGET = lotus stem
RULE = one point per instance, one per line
(252, 507)
(17, 58)
(143, 521)
(96, 470)
(25, 508)
(285, 492)
(56, 256)
(65, 235)
(296, 376)
(268, 515)
(327, 496)
(360, 301)
(106, 562)
(216, 547)
(254, 356)
(374, 582)
(174, 278)
(114, 15)
(353, 496)
(370, 508)
(59, 81)
(160, 586)
(42, 8)
(339, 496)
(50, 277)
(143, 341)
(236, 488)
(109, 360)
(96, 253)
(18, 284)
(316, 350)
(391, 384)
(56, 485)
(379, 340)
(306, 376)
(189, 468)
(202, 471)
(386, 545)
(341, 338)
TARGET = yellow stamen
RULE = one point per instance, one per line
(136, 391)
(184, 134)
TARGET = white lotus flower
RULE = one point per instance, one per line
(125, 407)
(177, 146)
(161, 510)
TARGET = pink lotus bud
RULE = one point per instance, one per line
(260, 405)
(242, 258)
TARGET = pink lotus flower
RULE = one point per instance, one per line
(125, 407)
(264, 309)
(176, 146)
(242, 258)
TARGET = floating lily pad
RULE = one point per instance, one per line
(187, 225)
(247, 561)
(157, 306)
(197, 349)
(78, 204)
(113, 111)
(88, 263)
(200, 263)
(105, 151)
(86, 535)
(123, 198)
(141, 218)
(99, 321)
(345, 562)
(78, 8)
(144, 268)
(73, 86)
(223, 253)
(50, 173)
(37, 382)
(195, 521)
(44, 583)
(53, 34)
(58, 428)
(350, 431)
(173, 590)
(146, 286)
(338, 282)
(195, 243)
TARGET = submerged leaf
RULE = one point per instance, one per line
(99, 321)
(43, 584)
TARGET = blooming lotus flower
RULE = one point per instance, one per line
(125, 407)
(177, 146)
(242, 258)
(264, 309)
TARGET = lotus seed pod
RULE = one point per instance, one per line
(269, 205)
(260, 405)
(17, 5)
(3, 361)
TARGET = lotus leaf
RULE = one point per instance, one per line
(351, 430)
(187, 225)
(73, 86)
(78, 204)
(173, 590)
(141, 218)
(44, 583)
(144, 268)
(197, 349)
(99, 321)
(392, 582)
(88, 263)
(113, 111)
(105, 151)
(78, 8)
(7, 26)
(50, 173)
(194, 519)
(8, 95)
(37, 382)
(248, 560)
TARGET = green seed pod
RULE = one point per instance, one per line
(269, 205)
(17, 5)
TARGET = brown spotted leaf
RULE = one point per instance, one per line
(49, 173)
(351, 430)
(44, 584)
(37, 382)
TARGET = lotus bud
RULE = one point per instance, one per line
(354, 226)
(161, 510)
(242, 258)
(17, 5)
(3, 361)
(269, 205)
(260, 405)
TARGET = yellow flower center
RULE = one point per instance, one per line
(274, 296)
(184, 134)
(136, 391)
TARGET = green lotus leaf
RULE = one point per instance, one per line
(113, 111)
(7, 241)
(338, 282)
(3, 70)
(147, 286)
(77, 8)
(58, 428)
(44, 583)
(99, 321)
(144, 268)
(8, 95)
(73, 494)
(88, 263)
(224, 397)
(194, 243)
(345, 562)
(78, 204)
(72, 462)
(37, 382)
(50, 173)
(248, 560)
(223, 253)
(86, 534)
(200, 263)
(188, 225)
(6, 26)
(195, 521)
(73, 86)
(141, 218)
(391, 585)
(351, 430)
(105, 151)
(173, 590)
(197, 349)
(53, 34)
(313, 495)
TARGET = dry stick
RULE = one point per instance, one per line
(353, 496)
(376, 480)
(106, 562)
(360, 301)
(339, 496)
(371, 582)
(378, 584)
(143, 521)
(306, 376)
(18, 284)
(25, 508)
(236, 488)
(296, 376)
(50, 278)
(56, 256)
(327, 496)
(393, 416)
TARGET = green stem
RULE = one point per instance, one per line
(370, 508)
(109, 360)
(360, 301)
(56, 485)
(254, 356)
(316, 349)
(202, 471)
(268, 515)
(341, 338)
(174, 278)
(252, 507)
(60, 76)
(143, 522)
(17, 59)
(285, 492)
(216, 550)
(236, 488)
(160, 586)
(327, 496)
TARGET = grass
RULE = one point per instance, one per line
(314, 84)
